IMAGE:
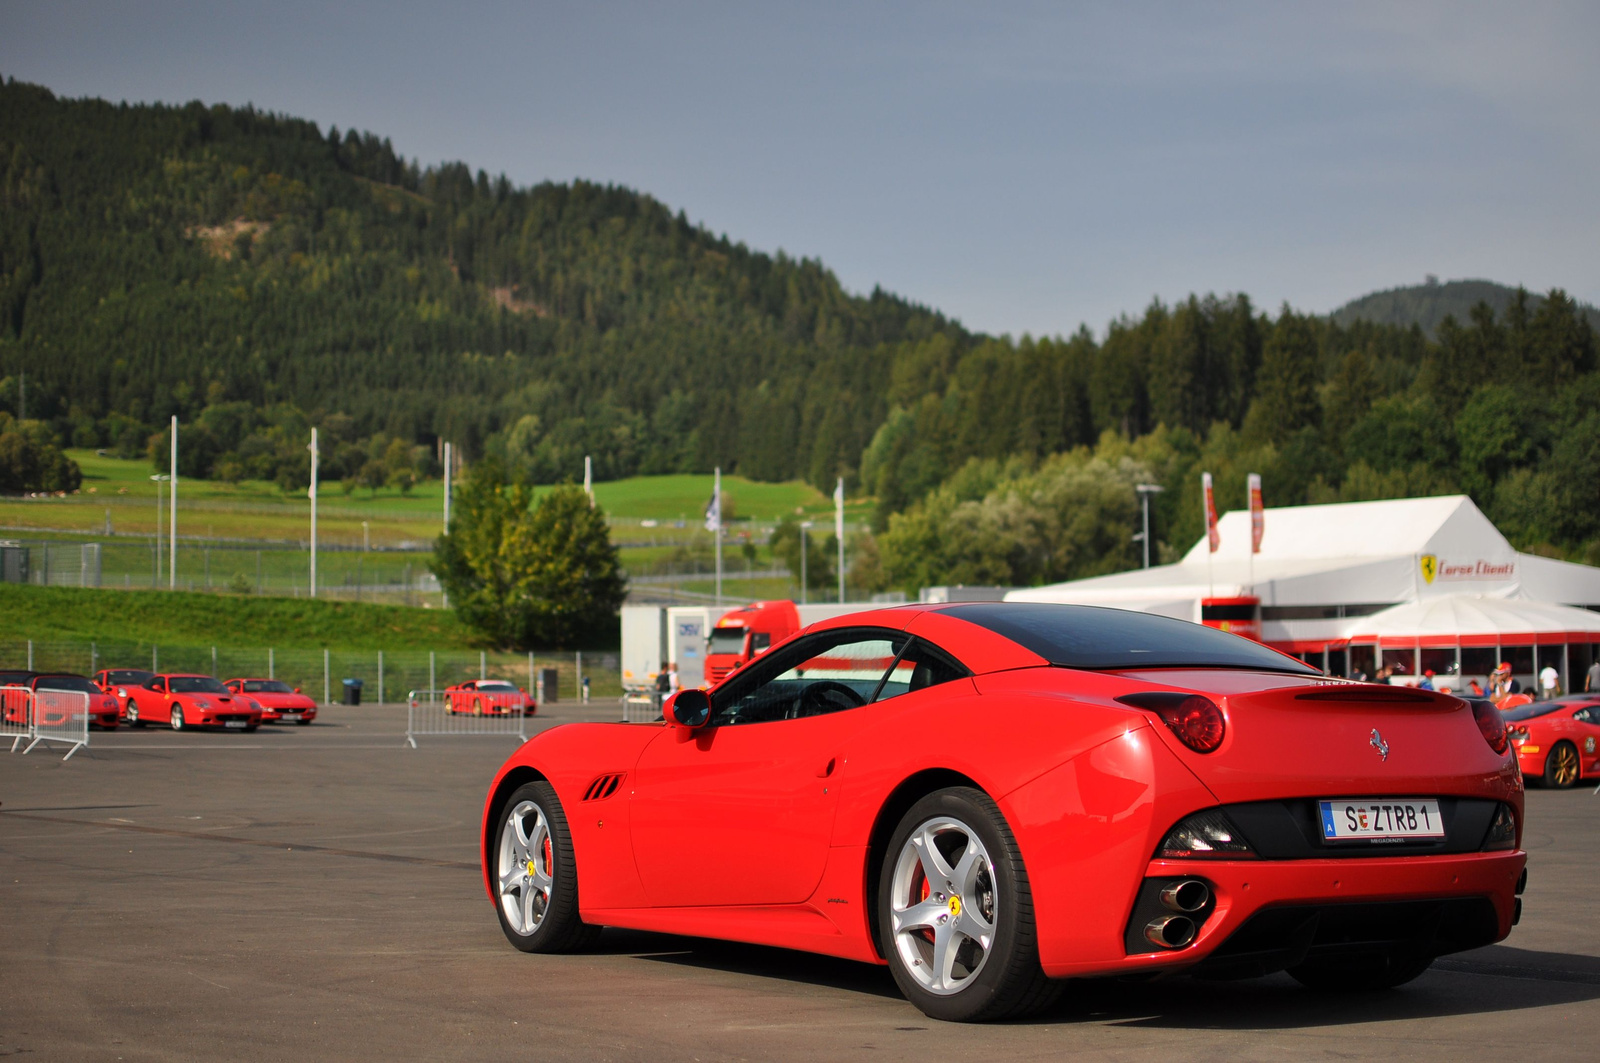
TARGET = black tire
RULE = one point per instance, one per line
(1562, 768)
(302, 723)
(1008, 982)
(1362, 974)
(133, 714)
(558, 929)
(251, 728)
(175, 718)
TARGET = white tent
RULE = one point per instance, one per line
(1371, 574)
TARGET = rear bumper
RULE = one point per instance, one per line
(1315, 904)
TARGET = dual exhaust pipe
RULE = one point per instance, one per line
(1183, 898)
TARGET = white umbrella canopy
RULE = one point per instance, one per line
(1472, 617)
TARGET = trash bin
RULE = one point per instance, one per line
(352, 691)
(549, 689)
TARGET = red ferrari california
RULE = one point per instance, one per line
(1557, 742)
(995, 797)
(278, 700)
(181, 701)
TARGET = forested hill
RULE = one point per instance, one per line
(158, 260)
(256, 276)
(1427, 305)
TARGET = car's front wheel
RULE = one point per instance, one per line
(176, 719)
(133, 714)
(537, 880)
(1362, 973)
(955, 913)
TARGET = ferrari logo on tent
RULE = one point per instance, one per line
(1430, 567)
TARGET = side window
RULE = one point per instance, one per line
(922, 665)
(1584, 716)
(760, 642)
(158, 685)
(827, 672)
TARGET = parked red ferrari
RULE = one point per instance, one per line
(278, 700)
(993, 797)
(489, 697)
(114, 681)
(1556, 741)
(181, 701)
(103, 709)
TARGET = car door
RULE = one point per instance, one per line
(1586, 727)
(741, 810)
(152, 700)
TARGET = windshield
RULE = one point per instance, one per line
(1528, 712)
(498, 685)
(196, 684)
(1088, 637)
(129, 676)
(726, 640)
(267, 686)
(65, 682)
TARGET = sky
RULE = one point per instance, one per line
(1022, 167)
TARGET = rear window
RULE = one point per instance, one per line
(267, 686)
(65, 682)
(1083, 636)
(131, 676)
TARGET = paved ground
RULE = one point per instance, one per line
(311, 893)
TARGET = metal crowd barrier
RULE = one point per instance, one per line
(44, 716)
(641, 708)
(427, 713)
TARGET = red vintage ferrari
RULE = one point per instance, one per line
(278, 700)
(489, 697)
(181, 701)
(994, 797)
(1556, 741)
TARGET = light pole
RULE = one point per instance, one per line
(312, 491)
(1145, 491)
(155, 573)
(366, 540)
(805, 526)
(172, 513)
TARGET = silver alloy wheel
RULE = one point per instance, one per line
(526, 867)
(132, 711)
(943, 905)
(175, 718)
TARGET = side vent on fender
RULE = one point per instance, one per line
(604, 786)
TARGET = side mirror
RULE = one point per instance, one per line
(297, 690)
(688, 708)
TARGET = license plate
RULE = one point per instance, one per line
(288, 716)
(234, 723)
(1381, 817)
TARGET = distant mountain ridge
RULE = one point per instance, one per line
(1429, 304)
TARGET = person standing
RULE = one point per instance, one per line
(1591, 682)
(1549, 682)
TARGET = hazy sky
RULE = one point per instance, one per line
(1023, 167)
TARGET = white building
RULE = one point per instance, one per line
(1420, 584)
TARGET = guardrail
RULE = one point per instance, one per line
(640, 708)
(44, 716)
(427, 713)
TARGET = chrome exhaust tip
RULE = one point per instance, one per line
(1170, 931)
(1190, 895)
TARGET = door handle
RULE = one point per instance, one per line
(827, 769)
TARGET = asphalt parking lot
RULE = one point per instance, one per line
(312, 893)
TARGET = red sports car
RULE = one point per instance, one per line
(278, 700)
(994, 797)
(489, 697)
(115, 681)
(182, 701)
(1557, 741)
(103, 709)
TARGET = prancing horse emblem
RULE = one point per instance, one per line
(1379, 744)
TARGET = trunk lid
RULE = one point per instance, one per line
(1292, 736)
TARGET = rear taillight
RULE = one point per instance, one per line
(1195, 719)
(1490, 724)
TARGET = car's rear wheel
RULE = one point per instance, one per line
(1561, 769)
(955, 913)
(537, 878)
(176, 719)
(1361, 973)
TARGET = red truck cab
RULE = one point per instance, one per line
(746, 633)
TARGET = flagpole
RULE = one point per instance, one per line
(716, 500)
(838, 530)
